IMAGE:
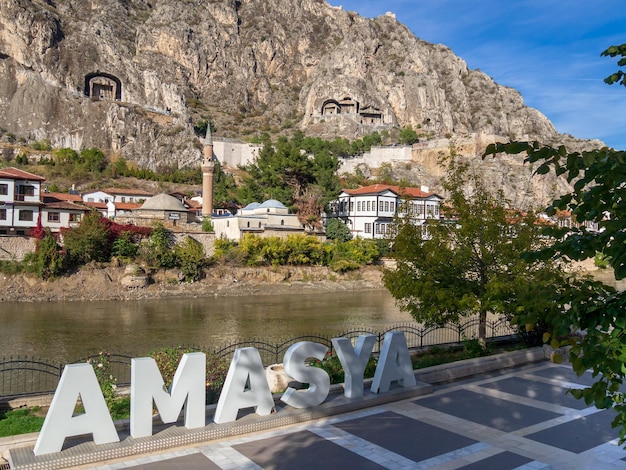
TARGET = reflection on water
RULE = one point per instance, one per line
(67, 331)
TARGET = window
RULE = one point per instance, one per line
(368, 228)
(380, 206)
(26, 190)
(26, 216)
(386, 206)
(54, 216)
(358, 206)
(4, 189)
(282, 222)
(351, 206)
(3, 214)
(368, 206)
(74, 217)
(392, 206)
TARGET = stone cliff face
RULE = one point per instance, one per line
(133, 76)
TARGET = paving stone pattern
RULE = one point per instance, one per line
(516, 419)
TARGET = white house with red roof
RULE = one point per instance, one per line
(369, 211)
(20, 201)
(62, 210)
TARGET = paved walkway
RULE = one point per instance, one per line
(517, 418)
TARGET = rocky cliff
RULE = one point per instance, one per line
(134, 76)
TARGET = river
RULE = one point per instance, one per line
(65, 331)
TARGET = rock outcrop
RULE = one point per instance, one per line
(134, 76)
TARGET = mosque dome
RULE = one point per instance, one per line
(163, 202)
(272, 204)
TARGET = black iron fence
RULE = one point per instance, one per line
(21, 376)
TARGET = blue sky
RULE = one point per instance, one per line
(549, 50)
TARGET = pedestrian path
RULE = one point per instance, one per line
(518, 418)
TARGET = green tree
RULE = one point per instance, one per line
(47, 261)
(90, 241)
(408, 136)
(337, 230)
(598, 197)
(93, 160)
(159, 251)
(124, 247)
(468, 264)
(190, 258)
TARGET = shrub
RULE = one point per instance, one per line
(47, 261)
(207, 225)
(158, 251)
(102, 368)
(190, 257)
(124, 247)
(337, 230)
(89, 241)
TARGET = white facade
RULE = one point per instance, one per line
(20, 201)
(98, 196)
(58, 215)
(269, 218)
(369, 211)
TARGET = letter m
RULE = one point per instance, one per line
(187, 390)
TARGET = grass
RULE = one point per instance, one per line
(20, 421)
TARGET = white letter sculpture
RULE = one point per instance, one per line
(187, 389)
(294, 364)
(394, 364)
(354, 362)
(77, 379)
(245, 386)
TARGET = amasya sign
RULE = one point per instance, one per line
(245, 387)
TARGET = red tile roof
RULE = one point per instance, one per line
(17, 174)
(64, 205)
(54, 197)
(379, 188)
(127, 205)
(96, 205)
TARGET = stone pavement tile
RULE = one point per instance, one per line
(407, 437)
(580, 434)
(500, 414)
(564, 373)
(535, 390)
(187, 462)
(228, 458)
(302, 450)
(501, 461)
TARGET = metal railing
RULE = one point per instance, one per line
(21, 376)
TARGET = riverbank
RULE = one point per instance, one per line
(94, 282)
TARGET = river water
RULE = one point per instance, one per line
(66, 331)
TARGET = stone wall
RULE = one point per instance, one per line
(15, 248)
(206, 239)
(233, 153)
(377, 156)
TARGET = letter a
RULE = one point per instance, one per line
(394, 364)
(76, 380)
(245, 386)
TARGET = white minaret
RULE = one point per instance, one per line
(208, 167)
